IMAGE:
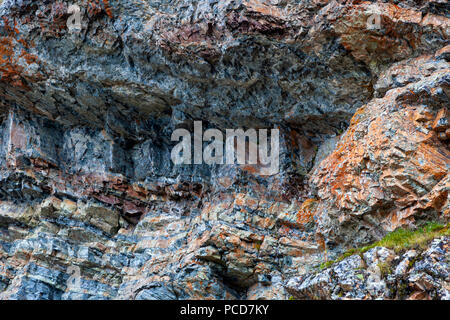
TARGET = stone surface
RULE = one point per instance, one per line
(91, 207)
(380, 274)
(390, 168)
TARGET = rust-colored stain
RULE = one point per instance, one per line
(307, 211)
(10, 72)
(95, 7)
(108, 9)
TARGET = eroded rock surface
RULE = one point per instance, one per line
(381, 274)
(391, 167)
(91, 207)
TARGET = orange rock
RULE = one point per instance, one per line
(442, 121)
(387, 165)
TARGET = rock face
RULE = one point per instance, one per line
(91, 206)
(381, 274)
(390, 168)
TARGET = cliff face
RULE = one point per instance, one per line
(91, 206)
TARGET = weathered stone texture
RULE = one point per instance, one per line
(381, 274)
(85, 122)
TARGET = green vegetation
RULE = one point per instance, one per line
(400, 240)
(385, 268)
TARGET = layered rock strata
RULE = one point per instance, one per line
(91, 207)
